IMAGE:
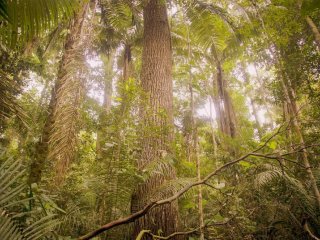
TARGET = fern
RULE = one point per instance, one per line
(11, 189)
(273, 176)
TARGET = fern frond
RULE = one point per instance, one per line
(10, 191)
(8, 229)
(273, 175)
(161, 166)
(171, 187)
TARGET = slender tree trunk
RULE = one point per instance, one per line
(41, 149)
(253, 105)
(227, 115)
(108, 75)
(219, 102)
(286, 116)
(156, 81)
(195, 154)
(214, 141)
(314, 29)
(127, 63)
(290, 97)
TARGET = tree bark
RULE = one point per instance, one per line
(195, 154)
(42, 148)
(62, 139)
(290, 97)
(253, 105)
(314, 29)
(157, 118)
(226, 111)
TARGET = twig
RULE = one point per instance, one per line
(306, 227)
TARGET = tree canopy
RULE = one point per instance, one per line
(155, 119)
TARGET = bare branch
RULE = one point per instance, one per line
(174, 197)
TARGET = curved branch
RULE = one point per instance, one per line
(168, 200)
(118, 222)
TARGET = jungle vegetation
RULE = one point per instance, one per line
(160, 119)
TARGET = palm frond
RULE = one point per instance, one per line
(40, 228)
(27, 19)
(169, 188)
(8, 229)
(161, 166)
(10, 172)
(273, 175)
(122, 23)
(68, 92)
(4, 9)
(8, 104)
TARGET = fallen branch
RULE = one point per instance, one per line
(306, 227)
(169, 200)
(118, 222)
(156, 237)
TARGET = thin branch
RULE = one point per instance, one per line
(169, 200)
(185, 233)
(306, 227)
(118, 222)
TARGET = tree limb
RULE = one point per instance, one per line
(169, 200)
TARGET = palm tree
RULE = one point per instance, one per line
(59, 133)
(21, 22)
(214, 31)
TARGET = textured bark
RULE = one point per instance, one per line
(62, 137)
(42, 147)
(157, 117)
(227, 115)
(127, 63)
(314, 29)
(290, 98)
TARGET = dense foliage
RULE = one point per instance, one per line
(141, 119)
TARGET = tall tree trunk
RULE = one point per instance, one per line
(127, 63)
(253, 105)
(67, 98)
(41, 149)
(195, 155)
(226, 108)
(108, 75)
(226, 111)
(60, 96)
(314, 29)
(290, 97)
(286, 117)
(156, 81)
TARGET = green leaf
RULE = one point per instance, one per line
(272, 145)
(246, 165)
